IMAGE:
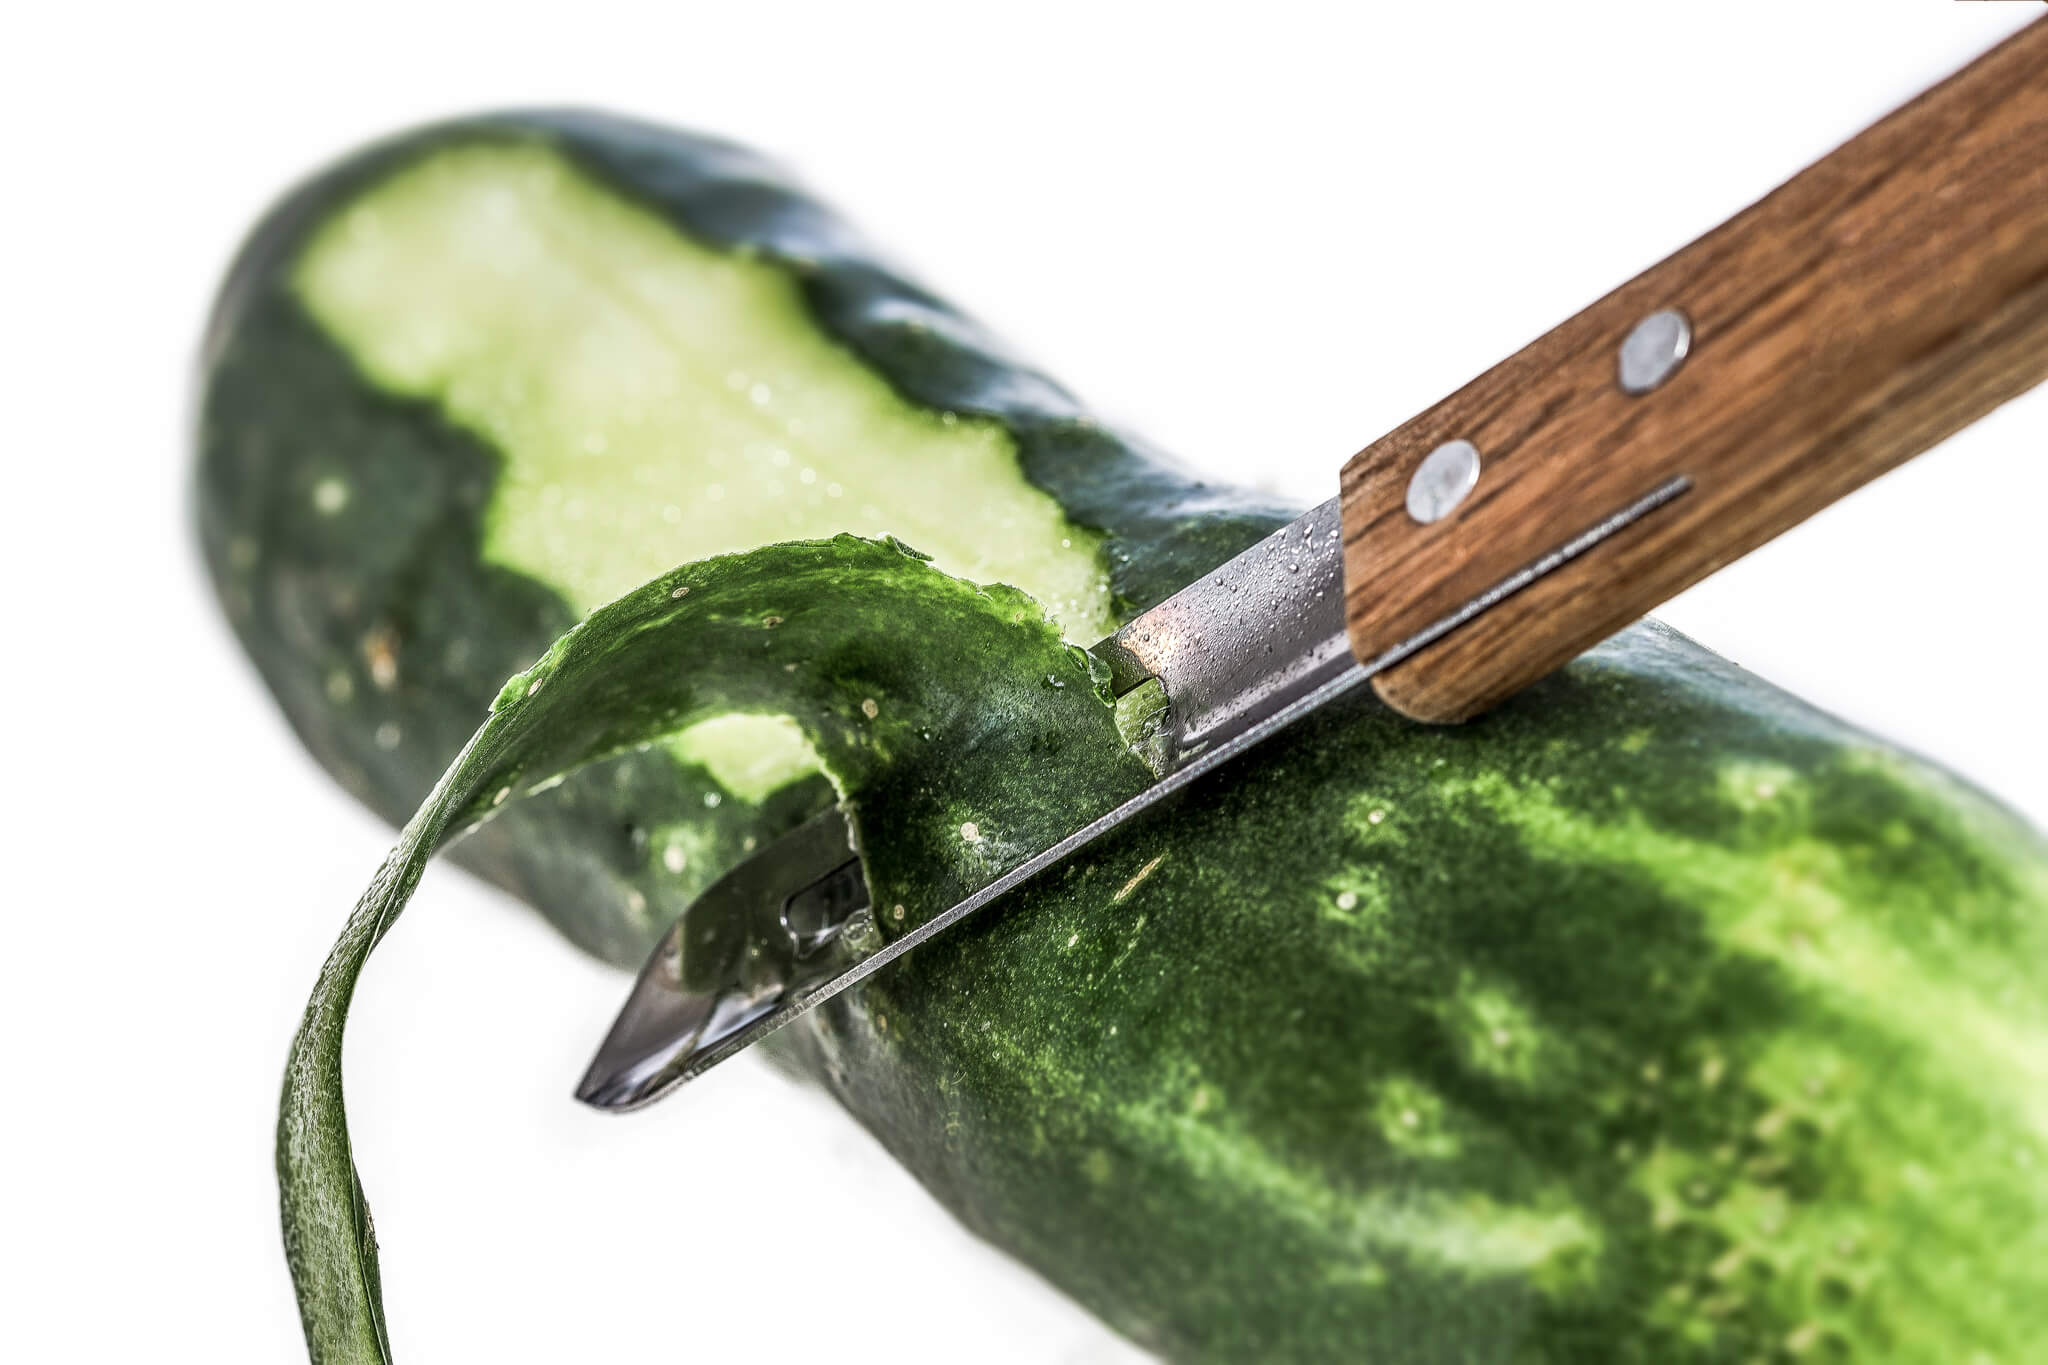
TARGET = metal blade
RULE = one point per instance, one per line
(768, 927)
(1245, 652)
(1245, 639)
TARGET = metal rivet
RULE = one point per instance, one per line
(1653, 351)
(1442, 480)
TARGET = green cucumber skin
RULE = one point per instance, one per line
(1181, 1123)
(1043, 1074)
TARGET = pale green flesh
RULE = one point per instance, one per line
(658, 402)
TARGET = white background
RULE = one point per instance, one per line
(1263, 239)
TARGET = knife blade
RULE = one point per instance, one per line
(1243, 652)
(1887, 296)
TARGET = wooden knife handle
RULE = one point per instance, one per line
(1883, 298)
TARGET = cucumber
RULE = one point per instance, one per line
(354, 512)
(1656, 1016)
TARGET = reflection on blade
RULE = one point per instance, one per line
(789, 917)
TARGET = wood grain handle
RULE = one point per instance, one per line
(1885, 297)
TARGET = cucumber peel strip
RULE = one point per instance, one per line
(935, 705)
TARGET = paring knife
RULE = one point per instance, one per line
(1884, 298)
